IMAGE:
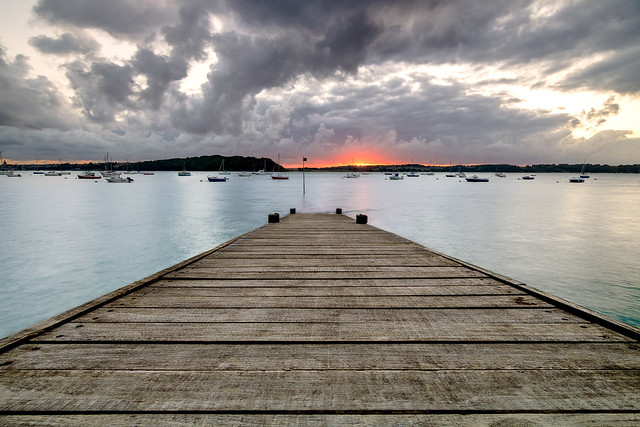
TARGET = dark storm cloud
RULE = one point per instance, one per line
(249, 64)
(506, 32)
(191, 35)
(29, 103)
(160, 71)
(270, 64)
(117, 17)
(65, 44)
(102, 89)
(618, 73)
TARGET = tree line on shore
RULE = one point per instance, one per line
(241, 163)
(201, 163)
(490, 168)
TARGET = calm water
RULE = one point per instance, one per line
(66, 241)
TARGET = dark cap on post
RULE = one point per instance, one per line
(292, 211)
(274, 217)
(361, 219)
(339, 211)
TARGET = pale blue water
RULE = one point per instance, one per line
(65, 241)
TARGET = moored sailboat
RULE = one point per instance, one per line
(278, 175)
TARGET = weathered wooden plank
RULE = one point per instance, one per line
(532, 390)
(325, 234)
(314, 419)
(460, 301)
(283, 250)
(334, 332)
(178, 315)
(322, 291)
(329, 356)
(251, 283)
(326, 273)
(244, 262)
(311, 256)
(362, 241)
(402, 271)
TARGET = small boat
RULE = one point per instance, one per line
(88, 175)
(262, 171)
(12, 174)
(352, 175)
(117, 179)
(413, 175)
(476, 178)
(278, 175)
(217, 178)
(396, 177)
(528, 177)
(38, 172)
(148, 173)
(576, 179)
(388, 173)
(222, 170)
(244, 174)
(582, 174)
(450, 174)
(184, 171)
(52, 173)
(500, 175)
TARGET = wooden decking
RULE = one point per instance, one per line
(319, 320)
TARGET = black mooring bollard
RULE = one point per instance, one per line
(274, 217)
(339, 211)
(292, 211)
(361, 219)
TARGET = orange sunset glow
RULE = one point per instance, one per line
(359, 158)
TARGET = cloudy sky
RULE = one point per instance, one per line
(341, 82)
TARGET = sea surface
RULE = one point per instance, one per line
(65, 241)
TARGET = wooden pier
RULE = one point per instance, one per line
(318, 320)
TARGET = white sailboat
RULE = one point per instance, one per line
(119, 179)
(262, 171)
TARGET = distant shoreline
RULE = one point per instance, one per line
(240, 163)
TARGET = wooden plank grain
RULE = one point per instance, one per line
(307, 283)
(330, 332)
(527, 390)
(320, 291)
(325, 273)
(469, 419)
(331, 315)
(385, 301)
(314, 261)
(325, 356)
